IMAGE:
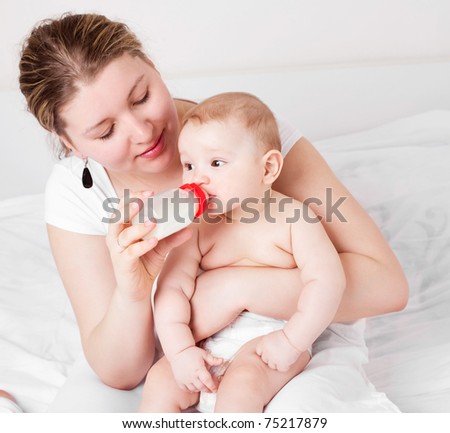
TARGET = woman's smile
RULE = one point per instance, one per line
(155, 149)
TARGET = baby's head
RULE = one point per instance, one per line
(243, 108)
(230, 145)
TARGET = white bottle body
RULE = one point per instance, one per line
(171, 210)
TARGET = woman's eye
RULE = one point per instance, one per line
(108, 134)
(144, 99)
(217, 163)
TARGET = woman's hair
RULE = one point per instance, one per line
(59, 54)
(245, 108)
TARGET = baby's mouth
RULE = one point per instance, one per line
(213, 202)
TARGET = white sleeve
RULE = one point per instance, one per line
(69, 206)
(288, 135)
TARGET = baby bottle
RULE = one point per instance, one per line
(173, 209)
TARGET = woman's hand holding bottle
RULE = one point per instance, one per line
(137, 261)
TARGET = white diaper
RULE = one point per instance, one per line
(227, 342)
(8, 406)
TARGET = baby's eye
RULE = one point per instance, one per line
(217, 163)
(187, 166)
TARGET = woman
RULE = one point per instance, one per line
(88, 81)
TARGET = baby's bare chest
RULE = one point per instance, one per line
(251, 244)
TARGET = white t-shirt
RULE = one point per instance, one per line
(70, 206)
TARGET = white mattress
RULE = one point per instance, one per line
(401, 175)
(399, 172)
(38, 334)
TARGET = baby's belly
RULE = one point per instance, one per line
(215, 261)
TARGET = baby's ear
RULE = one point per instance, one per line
(273, 163)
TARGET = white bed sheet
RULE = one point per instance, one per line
(38, 334)
(399, 172)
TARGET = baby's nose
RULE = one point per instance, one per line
(200, 178)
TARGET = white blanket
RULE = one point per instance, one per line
(399, 172)
(38, 334)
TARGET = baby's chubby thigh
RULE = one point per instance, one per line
(249, 384)
(162, 394)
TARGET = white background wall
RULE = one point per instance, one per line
(207, 36)
(327, 66)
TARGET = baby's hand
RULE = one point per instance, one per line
(190, 370)
(276, 351)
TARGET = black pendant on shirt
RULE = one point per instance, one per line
(86, 178)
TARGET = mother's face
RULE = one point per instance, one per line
(125, 119)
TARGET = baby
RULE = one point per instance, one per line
(230, 146)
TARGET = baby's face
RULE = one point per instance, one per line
(224, 159)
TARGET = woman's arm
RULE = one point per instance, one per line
(109, 287)
(376, 283)
(116, 332)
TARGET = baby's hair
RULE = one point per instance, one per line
(245, 108)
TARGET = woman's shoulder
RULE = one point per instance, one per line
(183, 106)
(63, 177)
(68, 172)
(69, 205)
(288, 135)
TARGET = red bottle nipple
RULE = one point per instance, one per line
(200, 194)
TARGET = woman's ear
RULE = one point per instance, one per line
(273, 163)
(68, 145)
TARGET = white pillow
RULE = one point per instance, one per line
(400, 173)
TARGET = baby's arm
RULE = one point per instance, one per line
(223, 293)
(323, 281)
(176, 285)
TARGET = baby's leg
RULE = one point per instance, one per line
(248, 385)
(162, 394)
